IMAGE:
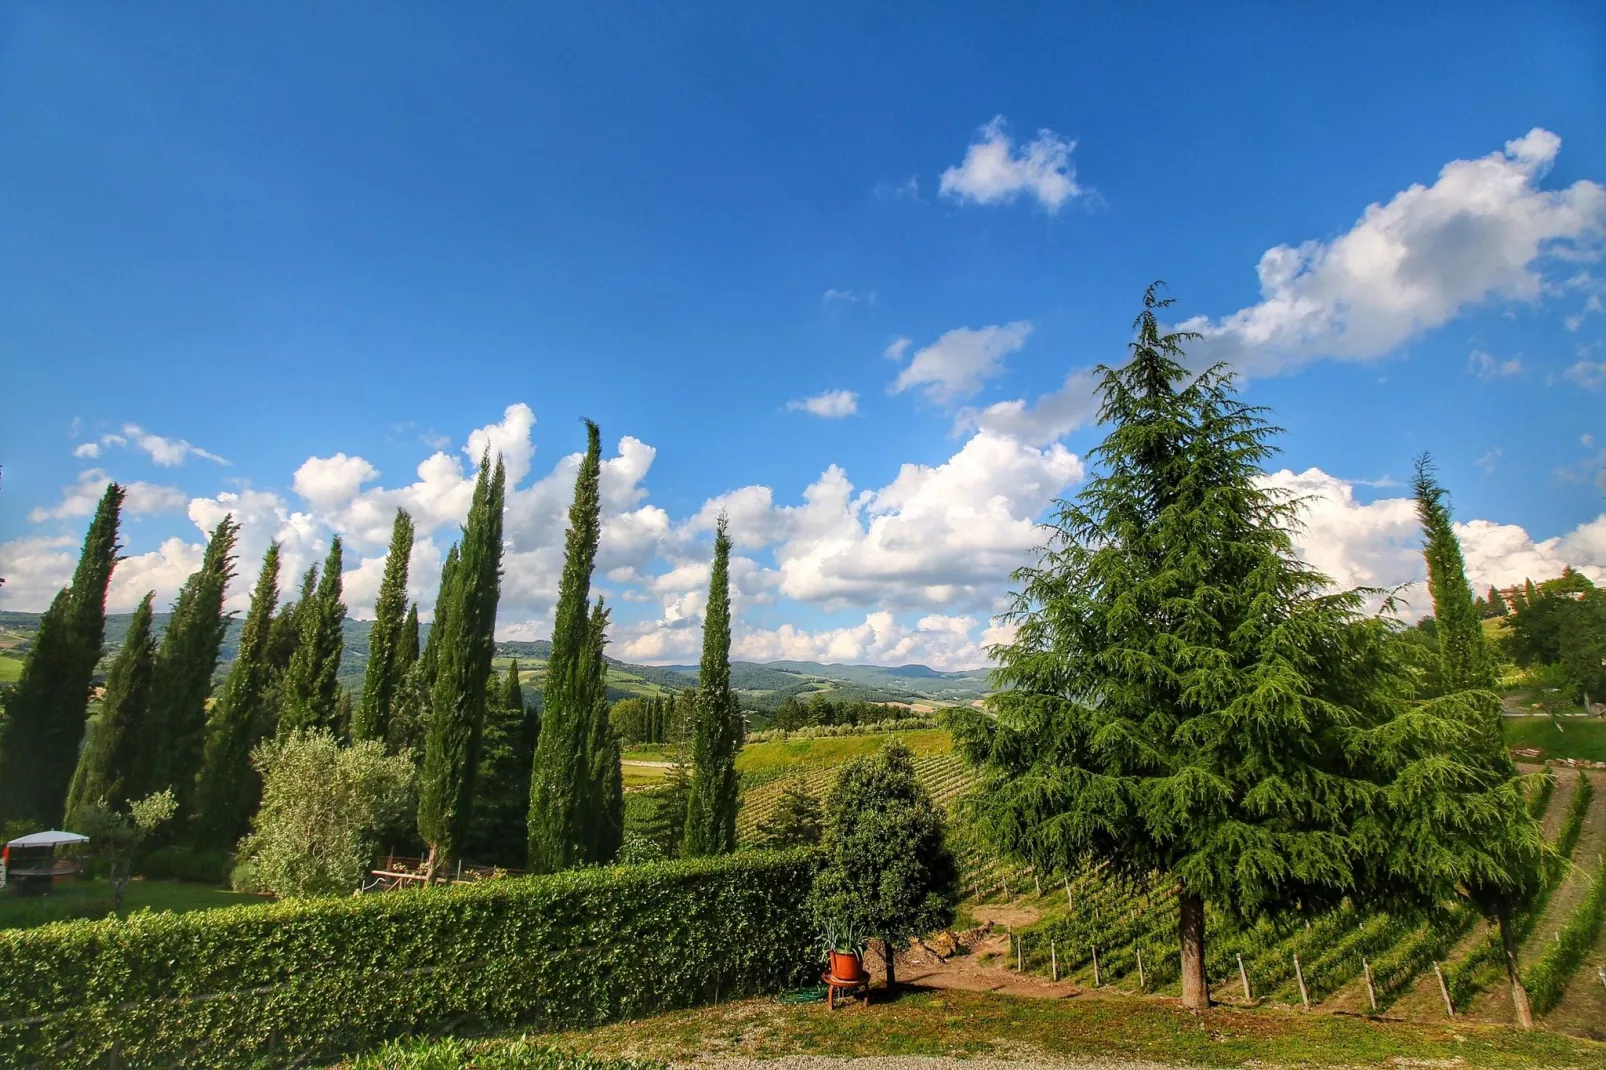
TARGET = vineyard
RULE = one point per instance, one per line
(1098, 931)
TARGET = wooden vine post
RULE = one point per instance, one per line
(1304, 996)
(1142, 983)
(1096, 982)
(1243, 975)
(1371, 989)
(1444, 990)
(1053, 960)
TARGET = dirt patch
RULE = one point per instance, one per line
(1007, 915)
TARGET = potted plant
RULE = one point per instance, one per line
(843, 950)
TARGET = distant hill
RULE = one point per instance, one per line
(765, 685)
(759, 686)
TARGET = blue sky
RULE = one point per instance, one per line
(324, 246)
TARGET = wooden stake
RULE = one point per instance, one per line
(1096, 981)
(1039, 884)
(1371, 990)
(1243, 975)
(1054, 960)
(1068, 904)
(1304, 996)
(1444, 990)
(1602, 975)
(1020, 949)
(1142, 983)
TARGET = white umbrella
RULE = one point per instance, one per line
(47, 839)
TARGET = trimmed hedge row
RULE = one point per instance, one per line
(453, 1054)
(318, 978)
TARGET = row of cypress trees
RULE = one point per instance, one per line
(490, 781)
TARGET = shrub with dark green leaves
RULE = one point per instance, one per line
(317, 978)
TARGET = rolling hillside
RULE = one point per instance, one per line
(759, 687)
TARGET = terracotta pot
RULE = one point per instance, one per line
(846, 966)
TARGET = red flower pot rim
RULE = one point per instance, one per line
(847, 966)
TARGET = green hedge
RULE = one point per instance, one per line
(454, 1054)
(317, 978)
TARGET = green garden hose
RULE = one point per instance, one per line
(814, 994)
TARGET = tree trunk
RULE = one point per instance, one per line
(892, 968)
(429, 866)
(1191, 930)
(1519, 994)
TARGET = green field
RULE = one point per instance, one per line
(10, 670)
(1565, 737)
(784, 756)
(93, 898)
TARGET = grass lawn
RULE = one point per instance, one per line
(1579, 737)
(643, 776)
(977, 1024)
(10, 670)
(79, 897)
(785, 755)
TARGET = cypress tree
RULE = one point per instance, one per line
(1460, 825)
(409, 721)
(1180, 688)
(123, 709)
(711, 810)
(560, 788)
(228, 788)
(1497, 602)
(312, 685)
(466, 645)
(407, 645)
(46, 709)
(607, 807)
(185, 662)
(1463, 653)
(512, 689)
(502, 799)
(386, 637)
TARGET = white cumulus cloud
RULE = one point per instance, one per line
(832, 405)
(993, 171)
(956, 365)
(1481, 231)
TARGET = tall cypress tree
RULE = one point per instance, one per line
(409, 720)
(407, 645)
(47, 707)
(502, 792)
(185, 662)
(105, 758)
(312, 685)
(227, 790)
(385, 638)
(560, 782)
(711, 810)
(1178, 693)
(1463, 652)
(467, 643)
(1459, 823)
(512, 688)
(607, 806)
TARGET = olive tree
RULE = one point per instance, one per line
(324, 807)
(888, 872)
(117, 837)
